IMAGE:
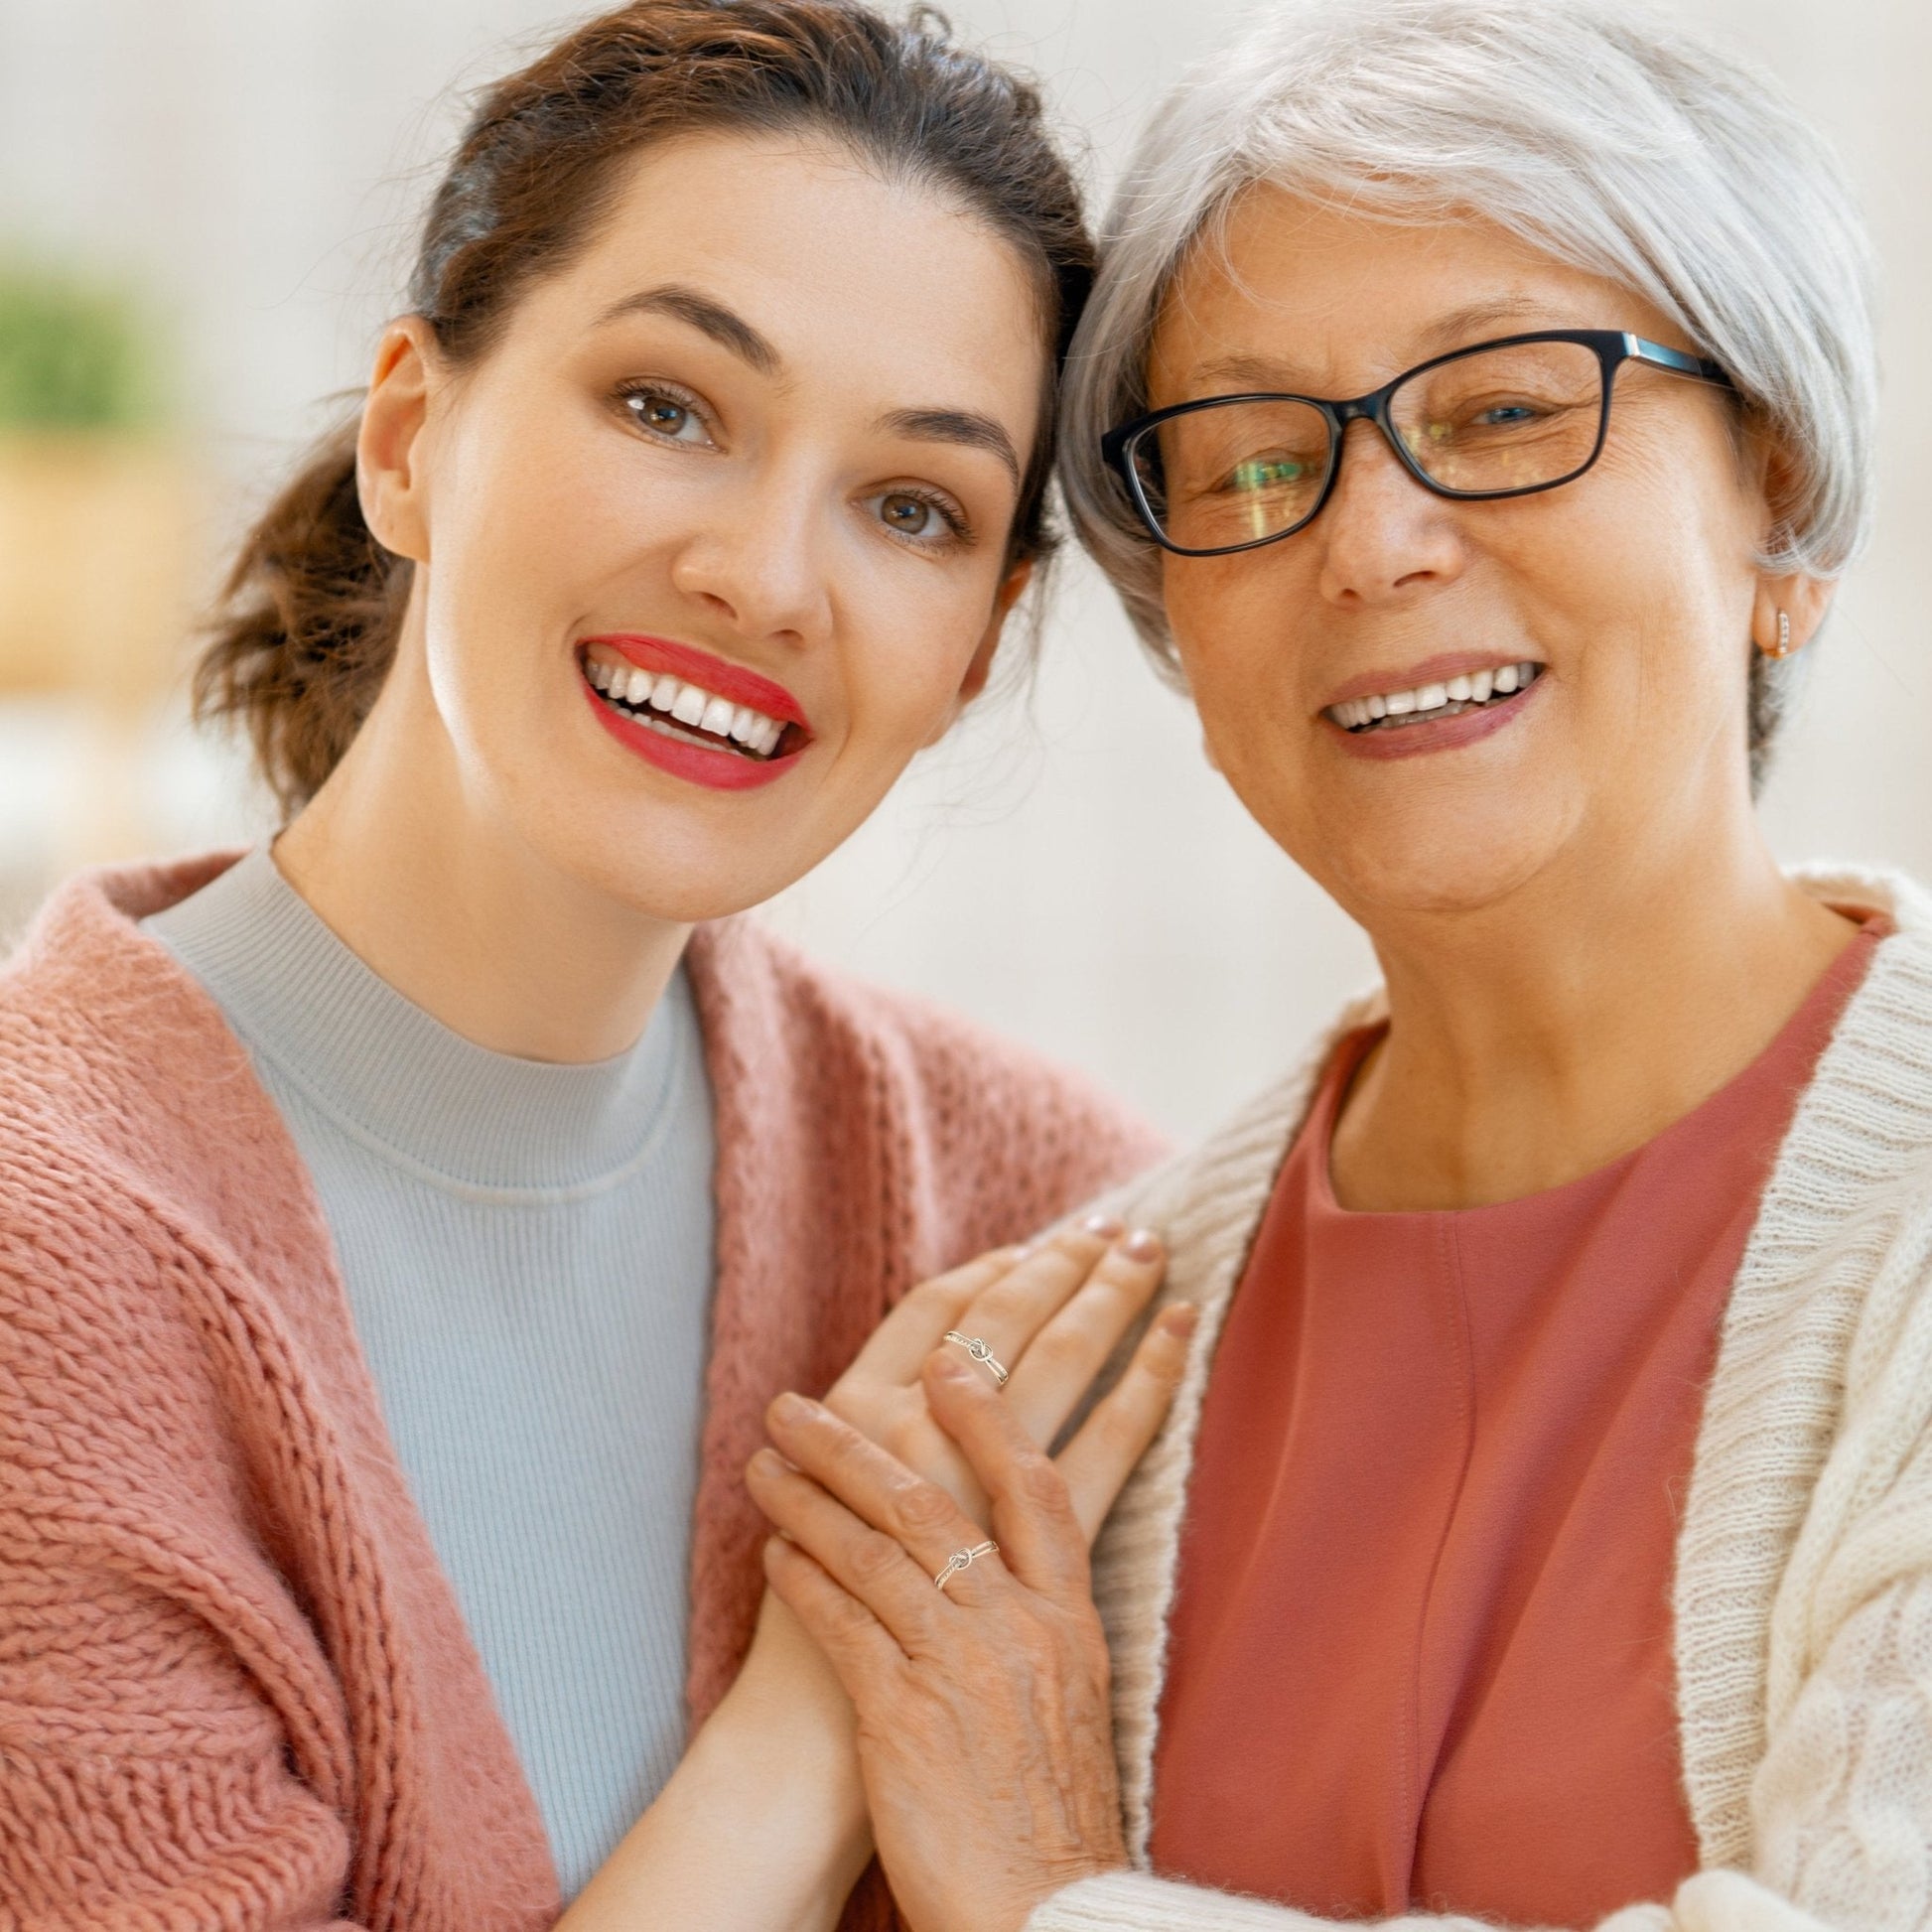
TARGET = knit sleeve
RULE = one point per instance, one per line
(1131, 1901)
(141, 1781)
(145, 1780)
(1015, 1141)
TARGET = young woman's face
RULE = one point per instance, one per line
(1632, 591)
(714, 538)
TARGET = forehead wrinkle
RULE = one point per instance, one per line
(1462, 328)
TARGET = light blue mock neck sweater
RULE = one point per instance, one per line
(528, 1254)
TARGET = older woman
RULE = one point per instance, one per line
(1545, 1531)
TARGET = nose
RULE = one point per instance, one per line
(1384, 538)
(758, 562)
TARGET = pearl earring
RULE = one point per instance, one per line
(1782, 648)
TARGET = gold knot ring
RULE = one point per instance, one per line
(963, 1560)
(981, 1352)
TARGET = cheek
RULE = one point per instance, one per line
(1656, 587)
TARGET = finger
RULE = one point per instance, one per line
(1112, 1441)
(911, 1332)
(916, 1516)
(868, 1563)
(1062, 1359)
(1008, 1313)
(860, 1649)
(1032, 1515)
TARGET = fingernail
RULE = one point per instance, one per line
(1181, 1320)
(1103, 1225)
(1144, 1245)
(792, 1408)
(767, 1463)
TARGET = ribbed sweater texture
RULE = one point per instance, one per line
(1803, 1591)
(527, 1253)
(236, 1688)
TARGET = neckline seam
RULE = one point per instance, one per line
(480, 1193)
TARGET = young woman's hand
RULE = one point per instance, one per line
(984, 1728)
(1051, 1314)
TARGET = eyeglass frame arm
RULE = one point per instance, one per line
(1613, 348)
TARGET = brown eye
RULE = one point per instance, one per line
(912, 517)
(665, 416)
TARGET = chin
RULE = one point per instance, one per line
(1434, 874)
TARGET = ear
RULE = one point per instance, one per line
(1013, 588)
(390, 474)
(1802, 599)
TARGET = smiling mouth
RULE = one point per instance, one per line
(686, 713)
(1427, 704)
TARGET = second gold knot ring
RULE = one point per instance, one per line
(963, 1560)
(981, 1352)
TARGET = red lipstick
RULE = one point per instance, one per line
(713, 674)
(720, 770)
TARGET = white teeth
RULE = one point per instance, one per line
(688, 704)
(1464, 688)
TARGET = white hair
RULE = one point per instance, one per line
(1611, 141)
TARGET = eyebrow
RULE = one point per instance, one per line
(963, 427)
(704, 313)
(1453, 331)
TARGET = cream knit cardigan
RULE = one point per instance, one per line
(1803, 1594)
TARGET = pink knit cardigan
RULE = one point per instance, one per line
(235, 1689)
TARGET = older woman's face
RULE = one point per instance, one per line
(1631, 588)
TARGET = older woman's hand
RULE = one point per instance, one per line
(984, 1733)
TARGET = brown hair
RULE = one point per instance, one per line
(306, 626)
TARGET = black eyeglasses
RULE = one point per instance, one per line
(1500, 419)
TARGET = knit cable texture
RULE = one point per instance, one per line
(1803, 1595)
(235, 1687)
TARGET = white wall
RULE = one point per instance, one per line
(1067, 867)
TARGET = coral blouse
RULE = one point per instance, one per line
(1420, 1657)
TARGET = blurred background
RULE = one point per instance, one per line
(206, 211)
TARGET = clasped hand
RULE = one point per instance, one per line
(985, 1731)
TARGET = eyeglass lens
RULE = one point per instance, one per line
(1493, 422)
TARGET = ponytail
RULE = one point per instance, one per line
(306, 626)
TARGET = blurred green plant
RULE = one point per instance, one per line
(73, 353)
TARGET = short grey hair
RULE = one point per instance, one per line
(1612, 141)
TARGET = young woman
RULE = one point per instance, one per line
(403, 1226)
(1478, 405)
